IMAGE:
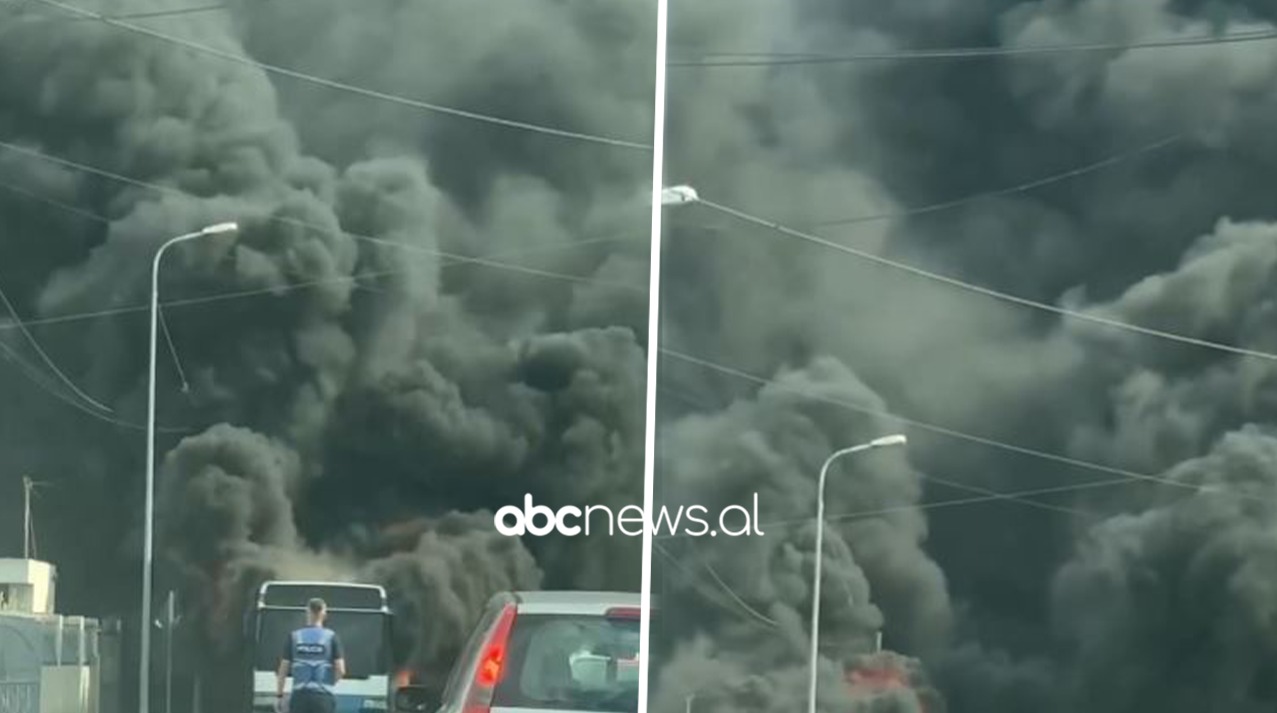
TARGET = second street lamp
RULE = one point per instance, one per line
(896, 440)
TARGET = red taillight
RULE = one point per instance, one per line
(491, 664)
(624, 613)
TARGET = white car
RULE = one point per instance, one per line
(546, 652)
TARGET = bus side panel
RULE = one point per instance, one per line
(353, 696)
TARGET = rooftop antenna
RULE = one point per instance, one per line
(29, 487)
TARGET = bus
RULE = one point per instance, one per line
(359, 613)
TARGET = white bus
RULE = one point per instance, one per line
(359, 613)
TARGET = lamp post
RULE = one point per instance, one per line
(666, 196)
(148, 539)
(885, 441)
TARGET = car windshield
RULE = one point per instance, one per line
(585, 663)
(362, 638)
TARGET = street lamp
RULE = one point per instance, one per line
(148, 540)
(885, 441)
(677, 195)
(668, 196)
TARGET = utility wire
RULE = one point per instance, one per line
(763, 59)
(701, 404)
(456, 258)
(749, 615)
(342, 86)
(168, 337)
(218, 297)
(32, 195)
(1012, 497)
(959, 502)
(138, 15)
(33, 375)
(488, 260)
(1010, 190)
(48, 361)
(737, 598)
(1040, 454)
(988, 292)
(1126, 476)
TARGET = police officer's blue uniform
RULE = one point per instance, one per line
(311, 653)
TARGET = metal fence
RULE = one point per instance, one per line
(21, 644)
(30, 643)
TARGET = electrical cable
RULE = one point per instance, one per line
(768, 59)
(342, 86)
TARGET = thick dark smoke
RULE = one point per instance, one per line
(1122, 598)
(755, 592)
(367, 407)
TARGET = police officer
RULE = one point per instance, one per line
(314, 657)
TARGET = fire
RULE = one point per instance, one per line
(880, 675)
(878, 678)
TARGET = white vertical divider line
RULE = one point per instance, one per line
(653, 352)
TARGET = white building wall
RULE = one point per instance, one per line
(31, 585)
(67, 689)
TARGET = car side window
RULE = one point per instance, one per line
(465, 661)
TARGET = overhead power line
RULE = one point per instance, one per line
(960, 502)
(61, 205)
(33, 375)
(1125, 475)
(342, 86)
(978, 289)
(1106, 162)
(44, 356)
(738, 599)
(487, 260)
(749, 615)
(763, 59)
(172, 350)
(153, 14)
(701, 404)
(456, 259)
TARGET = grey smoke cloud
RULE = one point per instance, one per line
(451, 385)
(366, 414)
(1175, 239)
(750, 598)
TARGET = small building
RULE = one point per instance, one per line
(27, 586)
(49, 663)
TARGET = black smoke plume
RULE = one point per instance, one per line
(345, 395)
(1142, 596)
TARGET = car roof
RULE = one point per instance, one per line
(574, 602)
